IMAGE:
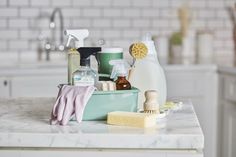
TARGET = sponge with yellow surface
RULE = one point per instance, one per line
(141, 120)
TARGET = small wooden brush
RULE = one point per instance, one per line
(151, 105)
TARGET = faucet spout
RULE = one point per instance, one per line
(52, 24)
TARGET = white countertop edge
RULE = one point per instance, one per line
(102, 141)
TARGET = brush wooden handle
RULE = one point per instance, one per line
(151, 101)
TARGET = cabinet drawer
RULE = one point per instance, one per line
(230, 88)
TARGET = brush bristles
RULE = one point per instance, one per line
(138, 50)
(151, 111)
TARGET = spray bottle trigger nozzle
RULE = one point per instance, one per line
(68, 41)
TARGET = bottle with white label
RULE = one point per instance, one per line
(85, 76)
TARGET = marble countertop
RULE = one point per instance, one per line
(25, 123)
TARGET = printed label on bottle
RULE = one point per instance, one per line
(84, 81)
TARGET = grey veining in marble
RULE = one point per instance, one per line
(25, 123)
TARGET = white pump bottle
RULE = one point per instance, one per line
(148, 74)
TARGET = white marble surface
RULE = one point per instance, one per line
(25, 123)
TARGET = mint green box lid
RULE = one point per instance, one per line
(103, 102)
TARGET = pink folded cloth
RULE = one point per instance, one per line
(70, 100)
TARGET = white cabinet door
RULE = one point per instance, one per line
(5, 85)
(36, 86)
(201, 88)
(229, 130)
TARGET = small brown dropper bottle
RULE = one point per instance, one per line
(122, 83)
(120, 69)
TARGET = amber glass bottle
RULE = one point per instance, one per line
(122, 83)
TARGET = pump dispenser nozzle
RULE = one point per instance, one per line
(78, 35)
(86, 52)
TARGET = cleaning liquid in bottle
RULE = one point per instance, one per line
(85, 76)
(73, 63)
(148, 74)
(122, 83)
(120, 70)
(78, 35)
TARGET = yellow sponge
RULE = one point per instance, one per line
(141, 120)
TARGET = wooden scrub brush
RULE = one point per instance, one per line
(137, 51)
(151, 105)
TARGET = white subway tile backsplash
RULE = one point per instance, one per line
(141, 23)
(81, 23)
(8, 34)
(177, 4)
(199, 4)
(160, 3)
(215, 4)
(161, 23)
(18, 45)
(60, 3)
(131, 12)
(229, 2)
(8, 12)
(121, 3)
(125, 44)
(18, 23)
(40, 3)
(95, 33)
(141, 3)
(119, 22)
(224, 34)
(111, 12)
(28, 34)
(29, 12)
(175, 24)
(229, 44)
(86, 12)
(3, 3)
(71, 12)
(101, 3)
(101, 23)
(111, 34)
(81, 3)
(3, 23)
(18, 2)
(228, 24)
(3, 45)
(198, 24)
(150, 13)
(131, 33)
(222, 14)
(215, 24)
(206, 14)
(169, 13)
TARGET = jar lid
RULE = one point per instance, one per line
(112, 50)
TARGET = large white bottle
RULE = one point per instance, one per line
(148, 74)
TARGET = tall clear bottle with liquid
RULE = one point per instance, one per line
(148, 74)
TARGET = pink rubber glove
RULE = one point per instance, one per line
(70, 100)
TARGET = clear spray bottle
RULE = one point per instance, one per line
(120, 71)
(85, 76)
(78, 35)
